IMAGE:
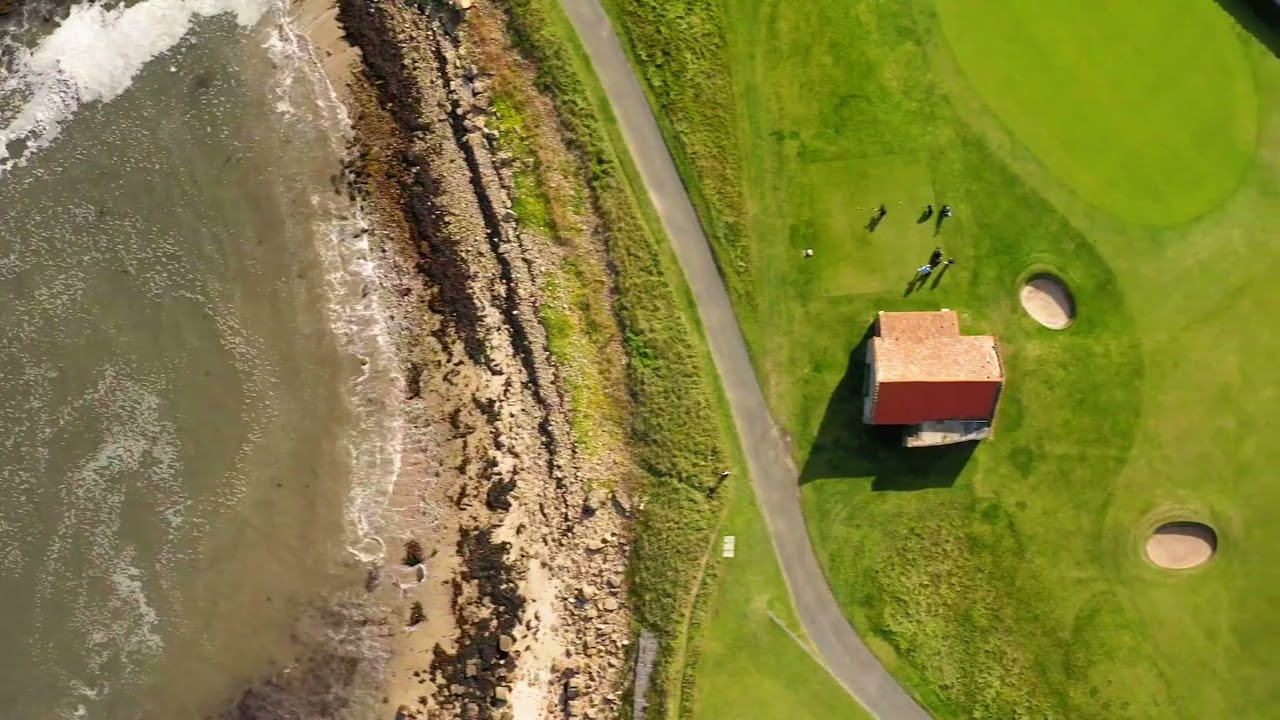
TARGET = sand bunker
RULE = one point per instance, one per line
(1048, 301)
(1182, 545)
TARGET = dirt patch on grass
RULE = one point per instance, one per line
(1182, 545)
(1048, 301)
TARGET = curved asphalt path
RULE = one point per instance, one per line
(768, 457)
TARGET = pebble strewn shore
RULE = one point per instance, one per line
(523, 609)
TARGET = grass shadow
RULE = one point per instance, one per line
(917, 281)
(848, 448)
(937, 275)
(1259, 18)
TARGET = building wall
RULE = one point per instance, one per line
(869, 385)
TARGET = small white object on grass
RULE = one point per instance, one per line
(808, 252)
(730, 543)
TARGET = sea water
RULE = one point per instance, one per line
(197, 421)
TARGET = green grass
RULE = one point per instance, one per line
(748, 666)
(529, 197)
(675, 43)
(576, 307)
(1154, 138)
(1010, 582)
(683, 435)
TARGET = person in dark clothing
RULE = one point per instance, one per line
(946, 211)
(882, 211)
(935, 257)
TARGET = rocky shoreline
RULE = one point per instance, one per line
(521, 605)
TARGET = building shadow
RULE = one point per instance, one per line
(847, 448)
(1259, 18)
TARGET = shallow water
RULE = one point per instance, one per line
(187, 360)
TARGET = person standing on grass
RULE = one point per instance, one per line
(946, 211)
(935, 257)
(924, 270)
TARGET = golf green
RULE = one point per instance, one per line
(1147, 109)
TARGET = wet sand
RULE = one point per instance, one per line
(318, 21)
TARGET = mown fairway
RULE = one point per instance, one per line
(1134, 148)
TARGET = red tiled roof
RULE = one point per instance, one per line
(926, 370)
(963, 357)
(919, 325)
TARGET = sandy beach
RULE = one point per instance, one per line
(317, 20)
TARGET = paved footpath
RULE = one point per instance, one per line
(769, 461)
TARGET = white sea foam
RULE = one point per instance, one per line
(93, 56)
(293, 52)
(374, 446)
(355, 308)
(136, 459)
(123, 606)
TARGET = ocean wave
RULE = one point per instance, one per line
(126, 603)
(93, 56)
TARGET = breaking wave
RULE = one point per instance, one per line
(95, 53)
(92, 56)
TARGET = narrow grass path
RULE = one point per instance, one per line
(768, 455)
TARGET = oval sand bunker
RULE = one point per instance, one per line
(1182, 545)
(1048, 301)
